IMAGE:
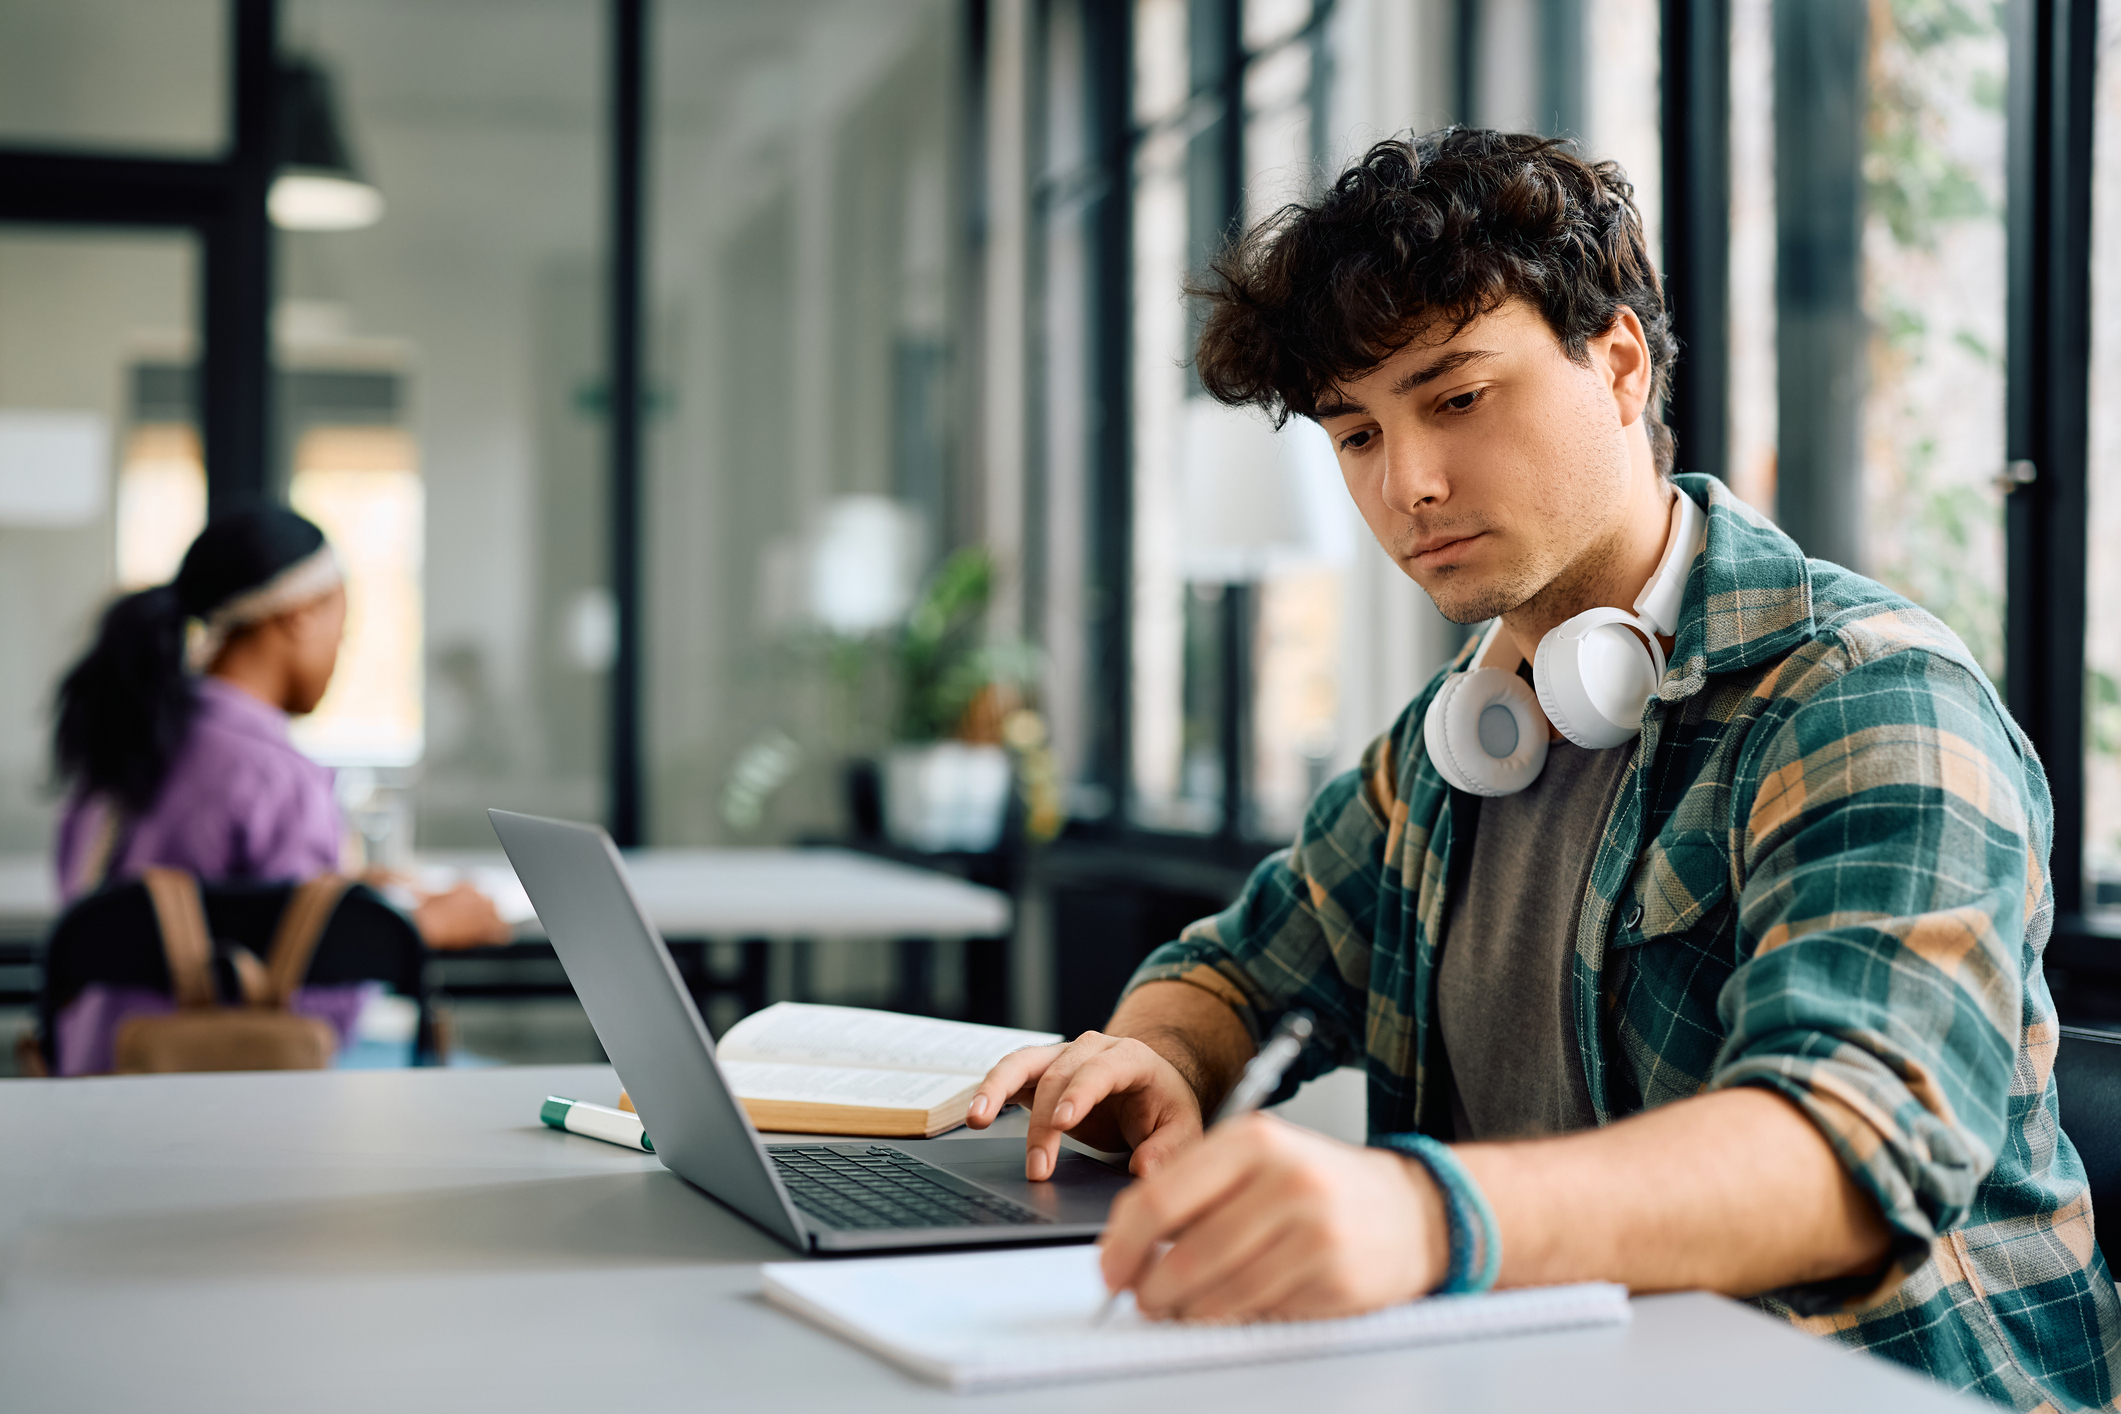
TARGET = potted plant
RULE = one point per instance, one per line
(964, 732)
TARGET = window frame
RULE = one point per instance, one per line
(2053, 57)
(220, 200)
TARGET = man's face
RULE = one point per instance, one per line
(1490, 466)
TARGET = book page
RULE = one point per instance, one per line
(805, 1033)
(834, 1085)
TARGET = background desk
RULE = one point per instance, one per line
(416, 1240)
(753, 897)
(756, 898)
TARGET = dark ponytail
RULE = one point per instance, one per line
(125, 708)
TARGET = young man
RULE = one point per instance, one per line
(1750, 1002)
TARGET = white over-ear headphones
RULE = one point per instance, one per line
(1486, 731)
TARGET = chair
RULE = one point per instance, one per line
(111, 937)
(2088, 1084)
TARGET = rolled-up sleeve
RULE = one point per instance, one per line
(1893, 856)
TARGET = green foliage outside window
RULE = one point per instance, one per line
(1937, 80)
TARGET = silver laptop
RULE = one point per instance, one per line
(826, 1196)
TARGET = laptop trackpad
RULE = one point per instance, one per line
(1080, 1191)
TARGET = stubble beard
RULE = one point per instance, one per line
(1477, 603)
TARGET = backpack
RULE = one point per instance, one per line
(202, 1034)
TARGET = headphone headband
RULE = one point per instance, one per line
(1593, 673)
(1660, 598)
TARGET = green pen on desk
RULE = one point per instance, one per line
(1262, 1076)
(595, 1122)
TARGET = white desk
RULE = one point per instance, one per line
(718, 893)
(769, 893)
(415, 1240)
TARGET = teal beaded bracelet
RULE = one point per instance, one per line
(1476, 1242)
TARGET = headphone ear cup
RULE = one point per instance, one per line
(1485, 734)
(1432, 732)
(1595, 672)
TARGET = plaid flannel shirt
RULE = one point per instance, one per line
(1825, 873)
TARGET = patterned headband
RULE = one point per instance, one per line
(307, 579)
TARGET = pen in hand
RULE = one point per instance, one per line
(1262, 1076)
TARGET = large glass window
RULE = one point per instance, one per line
(1751, 393)
(2102, 643)
(1934, 291)
(362, 485)
(1241, 533)
(139, 76)
(1913, 275)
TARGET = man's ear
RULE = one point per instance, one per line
(1622, 351)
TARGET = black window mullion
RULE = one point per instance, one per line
(236, 288)
(627, 212)
(1822, 335)
(1697, 228)
(1108, 48)
(2052, 47)
(62, 188)
(1216, 211)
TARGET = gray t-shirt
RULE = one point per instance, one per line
(1504, 992)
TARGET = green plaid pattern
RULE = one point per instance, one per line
(1825, 873)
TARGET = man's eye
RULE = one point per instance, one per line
(1356, 441)
(1464, 401)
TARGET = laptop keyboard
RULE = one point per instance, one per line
(849, 1186)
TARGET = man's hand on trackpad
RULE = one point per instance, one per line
(1110, 1092)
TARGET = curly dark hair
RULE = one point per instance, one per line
(1427, 232)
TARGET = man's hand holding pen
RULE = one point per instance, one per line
(1268, 1220)
(1254, 1218)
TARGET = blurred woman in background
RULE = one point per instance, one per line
(172, 739)
(172, 731)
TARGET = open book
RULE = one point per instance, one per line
(976, 1320)
(809, 1069)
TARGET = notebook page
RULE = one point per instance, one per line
(981, 1319)
(836, 1085)
(806, 1033)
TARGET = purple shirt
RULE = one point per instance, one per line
(240, 803)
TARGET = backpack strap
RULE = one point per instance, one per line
(186, 944)
(309, 908)
(251, 976)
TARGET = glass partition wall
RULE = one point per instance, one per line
(811, 395)
(440, 412)
(136, 76)
(81, 313)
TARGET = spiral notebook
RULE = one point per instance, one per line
(979, 1320)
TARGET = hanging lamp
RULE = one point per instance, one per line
(317, 187)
